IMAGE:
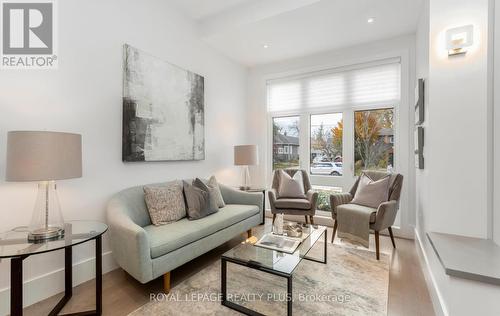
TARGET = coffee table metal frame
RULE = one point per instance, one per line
(257, 266)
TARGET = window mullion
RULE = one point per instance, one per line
(304, 141)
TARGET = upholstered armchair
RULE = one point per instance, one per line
(293, 206)
(382, 217)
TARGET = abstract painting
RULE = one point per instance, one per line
(163, 110)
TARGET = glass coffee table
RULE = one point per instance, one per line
(271, 261)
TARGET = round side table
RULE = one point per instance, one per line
(15, 245)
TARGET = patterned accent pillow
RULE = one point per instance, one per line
(212, 183)
(165, 203)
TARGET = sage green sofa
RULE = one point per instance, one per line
(147, 252)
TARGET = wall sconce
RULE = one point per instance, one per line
(458, 39)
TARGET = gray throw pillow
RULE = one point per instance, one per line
(371, 193)
(291, 187)
(212, 183)
(165, 203)
(199, 199)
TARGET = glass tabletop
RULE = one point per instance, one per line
(249, 254)
(15, 243)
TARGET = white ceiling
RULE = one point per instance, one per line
(294, 28)
(197, 9)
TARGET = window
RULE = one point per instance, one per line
(373, 140)
(324, 193)
(288, 149)
(326, 144)
(342, 117)
(286, 142)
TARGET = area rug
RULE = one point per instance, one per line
(353, 282)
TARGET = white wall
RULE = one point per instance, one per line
(496, 134)
(397, 47)
(457, 133)
(422, 71)
(457, 125)
(84, 96)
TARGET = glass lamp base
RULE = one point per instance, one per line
(47, 221)
(43, 234)
(246, 179)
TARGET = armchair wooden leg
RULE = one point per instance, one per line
(274, 217)
(312, 219)
(334, 230)
(305, 216)
(249, 233)
(377, 246)
(392, 237)
(166, 282)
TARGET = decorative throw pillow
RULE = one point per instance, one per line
(165, 203)
(200, 201)
(212, 183)
(291, 187)
(371, 193)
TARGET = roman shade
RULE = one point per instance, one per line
(377, 83)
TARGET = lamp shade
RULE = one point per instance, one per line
(43, 156)
(246, 155)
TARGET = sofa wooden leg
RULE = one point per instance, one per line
(249, 233)
(377, 246)
(334, 230)
(392, 237)
(166, 282)
(305, 216)
(312, 219)
(274, 217)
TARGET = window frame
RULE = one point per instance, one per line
(346, 180)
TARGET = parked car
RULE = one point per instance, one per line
(327, 168)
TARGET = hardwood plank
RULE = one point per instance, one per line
(122, 294)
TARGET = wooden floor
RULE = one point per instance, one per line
(408, 294)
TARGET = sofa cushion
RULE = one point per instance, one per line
(167, 238)
(359, 208)
(291, 187)
(370, 192)
(299, 204)
(212, 183)
(165, 203)
(200, 199)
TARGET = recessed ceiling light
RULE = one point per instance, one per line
(370, 20)
(265, 46)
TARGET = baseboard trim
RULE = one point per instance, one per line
(436, 296)
(52, 283)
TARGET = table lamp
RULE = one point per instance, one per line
(246, 155)
(44, 157)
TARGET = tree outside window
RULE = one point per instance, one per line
(373, 140)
